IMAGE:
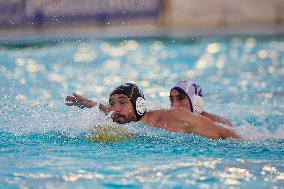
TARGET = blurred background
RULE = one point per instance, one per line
(31, 18)
(50, 48)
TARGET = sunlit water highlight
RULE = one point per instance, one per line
(45, 144)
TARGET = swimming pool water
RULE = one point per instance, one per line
(44, 143)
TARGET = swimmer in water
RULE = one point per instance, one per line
(188, 94)
(127, 104)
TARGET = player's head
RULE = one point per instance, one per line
(187, 94)
(127, 103)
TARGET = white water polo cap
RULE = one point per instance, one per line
(194, 93)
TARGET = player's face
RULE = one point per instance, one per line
(123, 111)
(179, 100)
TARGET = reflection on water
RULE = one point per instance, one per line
(44, 142)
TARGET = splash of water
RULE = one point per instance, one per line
(22, 119)
(250, 132)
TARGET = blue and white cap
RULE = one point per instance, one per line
(194, 93)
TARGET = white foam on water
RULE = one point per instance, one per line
(44, 121)
(250, 132)
(20, 119)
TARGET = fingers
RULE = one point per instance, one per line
(70, 101)
(78, 96)
(70, 98)
(69, 104)
(75, 100)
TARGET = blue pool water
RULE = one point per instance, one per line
(45, 144)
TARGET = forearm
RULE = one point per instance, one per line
(82, 102)
(186, 121)
(104, 108)
(224, 121)
(206, 127)
(230, 134)
(217, 119)
(221, 132)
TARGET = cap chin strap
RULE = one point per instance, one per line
(197, 104)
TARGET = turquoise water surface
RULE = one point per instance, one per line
(45, 144)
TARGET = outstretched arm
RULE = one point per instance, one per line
(203, 126)
(82, 102)
(217, 119)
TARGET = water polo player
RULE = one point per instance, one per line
(188, 94)
(128, 104)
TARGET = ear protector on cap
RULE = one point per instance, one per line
(197, 103)
(140, 106)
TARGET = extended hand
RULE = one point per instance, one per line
(78, 100)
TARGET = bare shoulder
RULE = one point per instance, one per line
(151, 117)
(179, 112)
(156, 113)
(167, 112)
